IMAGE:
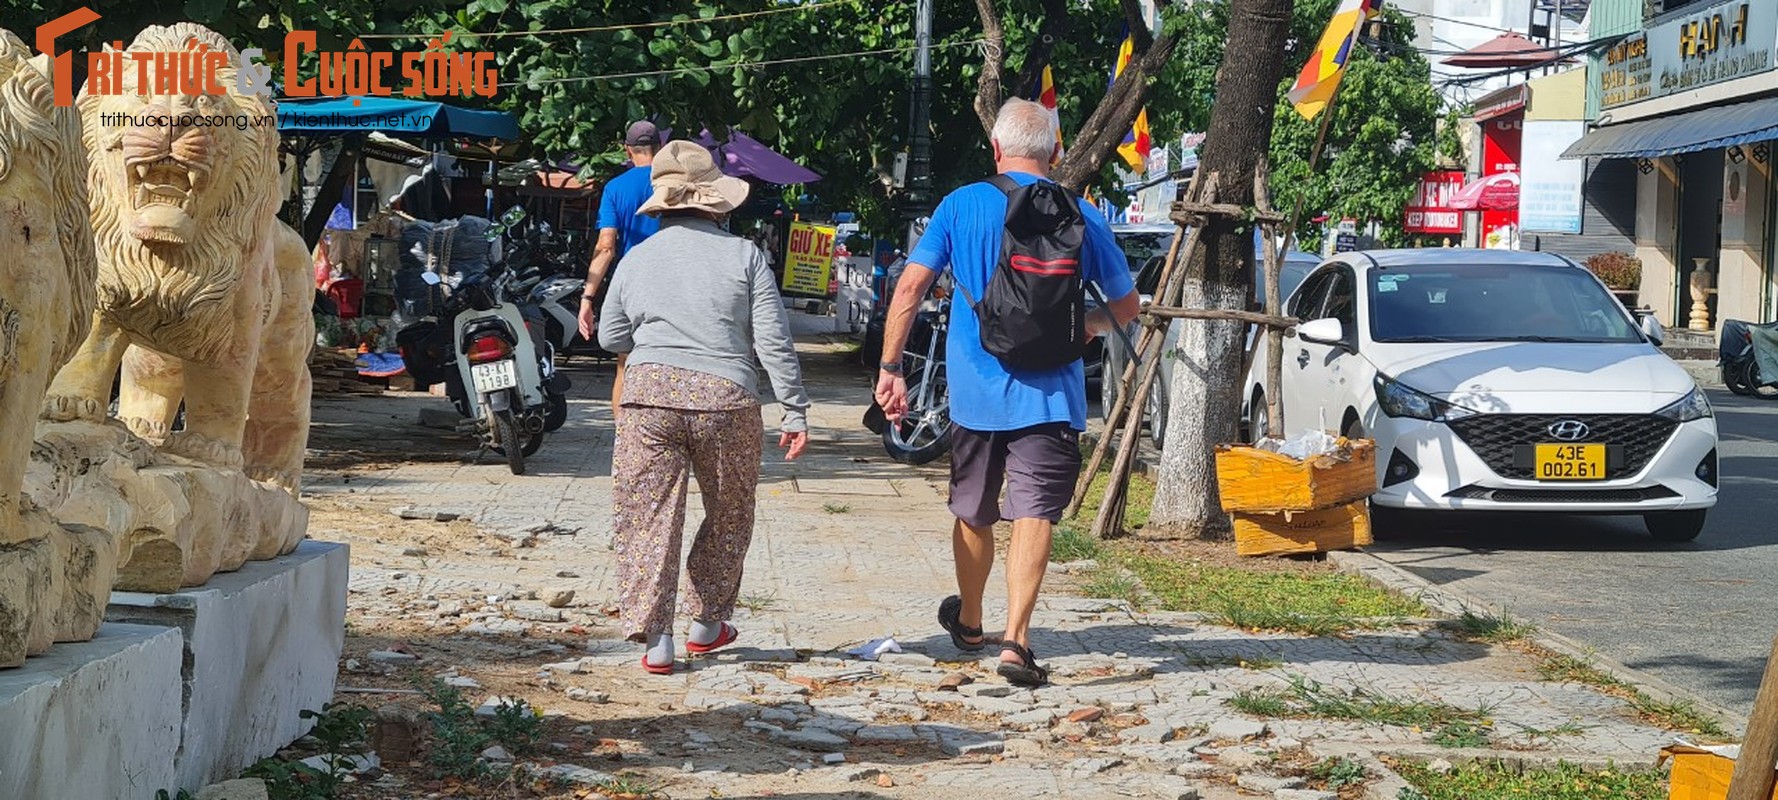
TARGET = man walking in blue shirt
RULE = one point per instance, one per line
(1017, 427)
(621, 228)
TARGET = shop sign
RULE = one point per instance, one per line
(1550, 187)
(1503, 102)
(808, 260)
(1501, 140)
(1726, 41)
(1430, 212)
(1346, 236)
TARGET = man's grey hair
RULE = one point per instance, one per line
(1025, 130)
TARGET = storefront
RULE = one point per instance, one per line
(1692, 102)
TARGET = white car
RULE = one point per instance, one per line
(1496, 381)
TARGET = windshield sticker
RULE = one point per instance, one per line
(1436, 296)
(1387, 286)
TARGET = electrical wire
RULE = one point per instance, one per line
(627, 26)
(738, 65)
(1436, 18)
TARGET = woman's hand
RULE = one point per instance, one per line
(793, 443)
(588, 318)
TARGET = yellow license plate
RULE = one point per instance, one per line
(1570, 462)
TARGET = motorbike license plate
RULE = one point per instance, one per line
(1570, 462)
(494, 375)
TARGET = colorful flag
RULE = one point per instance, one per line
(1046, 97)
(1136, 144)
(1320, 78)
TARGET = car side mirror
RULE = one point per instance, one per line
(1322, 331)
(1651, 328)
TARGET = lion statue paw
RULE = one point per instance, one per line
(199, 447)
(62, 408)
(151, 431)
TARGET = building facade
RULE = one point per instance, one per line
(1688, 98)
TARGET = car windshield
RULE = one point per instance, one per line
(1495, 303)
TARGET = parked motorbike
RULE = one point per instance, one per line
(1738, 359)
(472, 331)
(924, 432)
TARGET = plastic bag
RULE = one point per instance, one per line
(1305, 446)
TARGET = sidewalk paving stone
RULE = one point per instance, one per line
(818, 582)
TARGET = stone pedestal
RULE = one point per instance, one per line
(260, 646)
(97, 719)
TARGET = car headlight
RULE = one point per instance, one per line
(1692, 406)
(1397, 399)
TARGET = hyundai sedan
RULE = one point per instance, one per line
(1496, 381)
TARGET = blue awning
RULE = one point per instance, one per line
(1704, 129)
(393, 115)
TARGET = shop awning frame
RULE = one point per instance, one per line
(1690, 132)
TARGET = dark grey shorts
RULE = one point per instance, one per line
(1038, 466)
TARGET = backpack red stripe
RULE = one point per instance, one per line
(1060, 266)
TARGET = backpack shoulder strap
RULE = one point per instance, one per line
(1003, 182)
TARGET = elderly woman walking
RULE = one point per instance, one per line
(694, 306)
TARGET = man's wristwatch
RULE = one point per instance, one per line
(891, 367)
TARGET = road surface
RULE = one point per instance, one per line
(1701, 615)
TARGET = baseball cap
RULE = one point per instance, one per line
(642, 133)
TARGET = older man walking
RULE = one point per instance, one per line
(621, 228)
(1012, 425)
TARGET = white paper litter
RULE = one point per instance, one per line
(875, 648)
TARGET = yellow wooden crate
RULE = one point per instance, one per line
(1258, 481)
(1699, 774)
(1339, 528)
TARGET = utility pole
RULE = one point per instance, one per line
(918, 203)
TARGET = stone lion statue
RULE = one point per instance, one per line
(46, 303)
(203, 294)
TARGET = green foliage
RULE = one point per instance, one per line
(1498, 781)
(1338, 772)
(517, 727)
(1462, 733)
(1319, 604)
(1621, 271)
(1309, 699)
(458, 738)
(1071, 542)
(340, 730)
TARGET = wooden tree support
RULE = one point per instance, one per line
(1754, 775)
(1137, 380)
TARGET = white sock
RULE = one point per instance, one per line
(703, 633)
(660, 649)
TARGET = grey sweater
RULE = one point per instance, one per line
(697, 297)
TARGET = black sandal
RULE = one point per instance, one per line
(948, 618)
(1028, 674)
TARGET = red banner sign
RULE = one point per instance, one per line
(1430, 210)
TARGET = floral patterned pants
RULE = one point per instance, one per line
(656, 449)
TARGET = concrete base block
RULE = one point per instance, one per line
(260, 645)
(96, 719)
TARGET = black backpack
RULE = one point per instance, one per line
(1033, 314)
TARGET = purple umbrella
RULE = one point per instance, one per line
(743, 156)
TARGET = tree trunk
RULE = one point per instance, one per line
(1204, 398)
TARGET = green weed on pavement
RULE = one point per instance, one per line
(1320, 604)
(1500, 781)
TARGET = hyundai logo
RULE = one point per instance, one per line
(1570, 430)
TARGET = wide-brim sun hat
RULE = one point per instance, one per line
(685, 178)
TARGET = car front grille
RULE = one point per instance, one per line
(1634, 439)
(1564, 495)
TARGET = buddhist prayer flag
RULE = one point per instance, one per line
(1046, 97)
(1320, 78)
(1136, 144)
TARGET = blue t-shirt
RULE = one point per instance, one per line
(964, 236)
(617, 208)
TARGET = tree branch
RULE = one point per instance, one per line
(1056, 24)
(1105, 128)
(1138, 26)
(989, 93)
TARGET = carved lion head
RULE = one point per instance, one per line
(172, 167)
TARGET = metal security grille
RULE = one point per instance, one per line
(1498, 437)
